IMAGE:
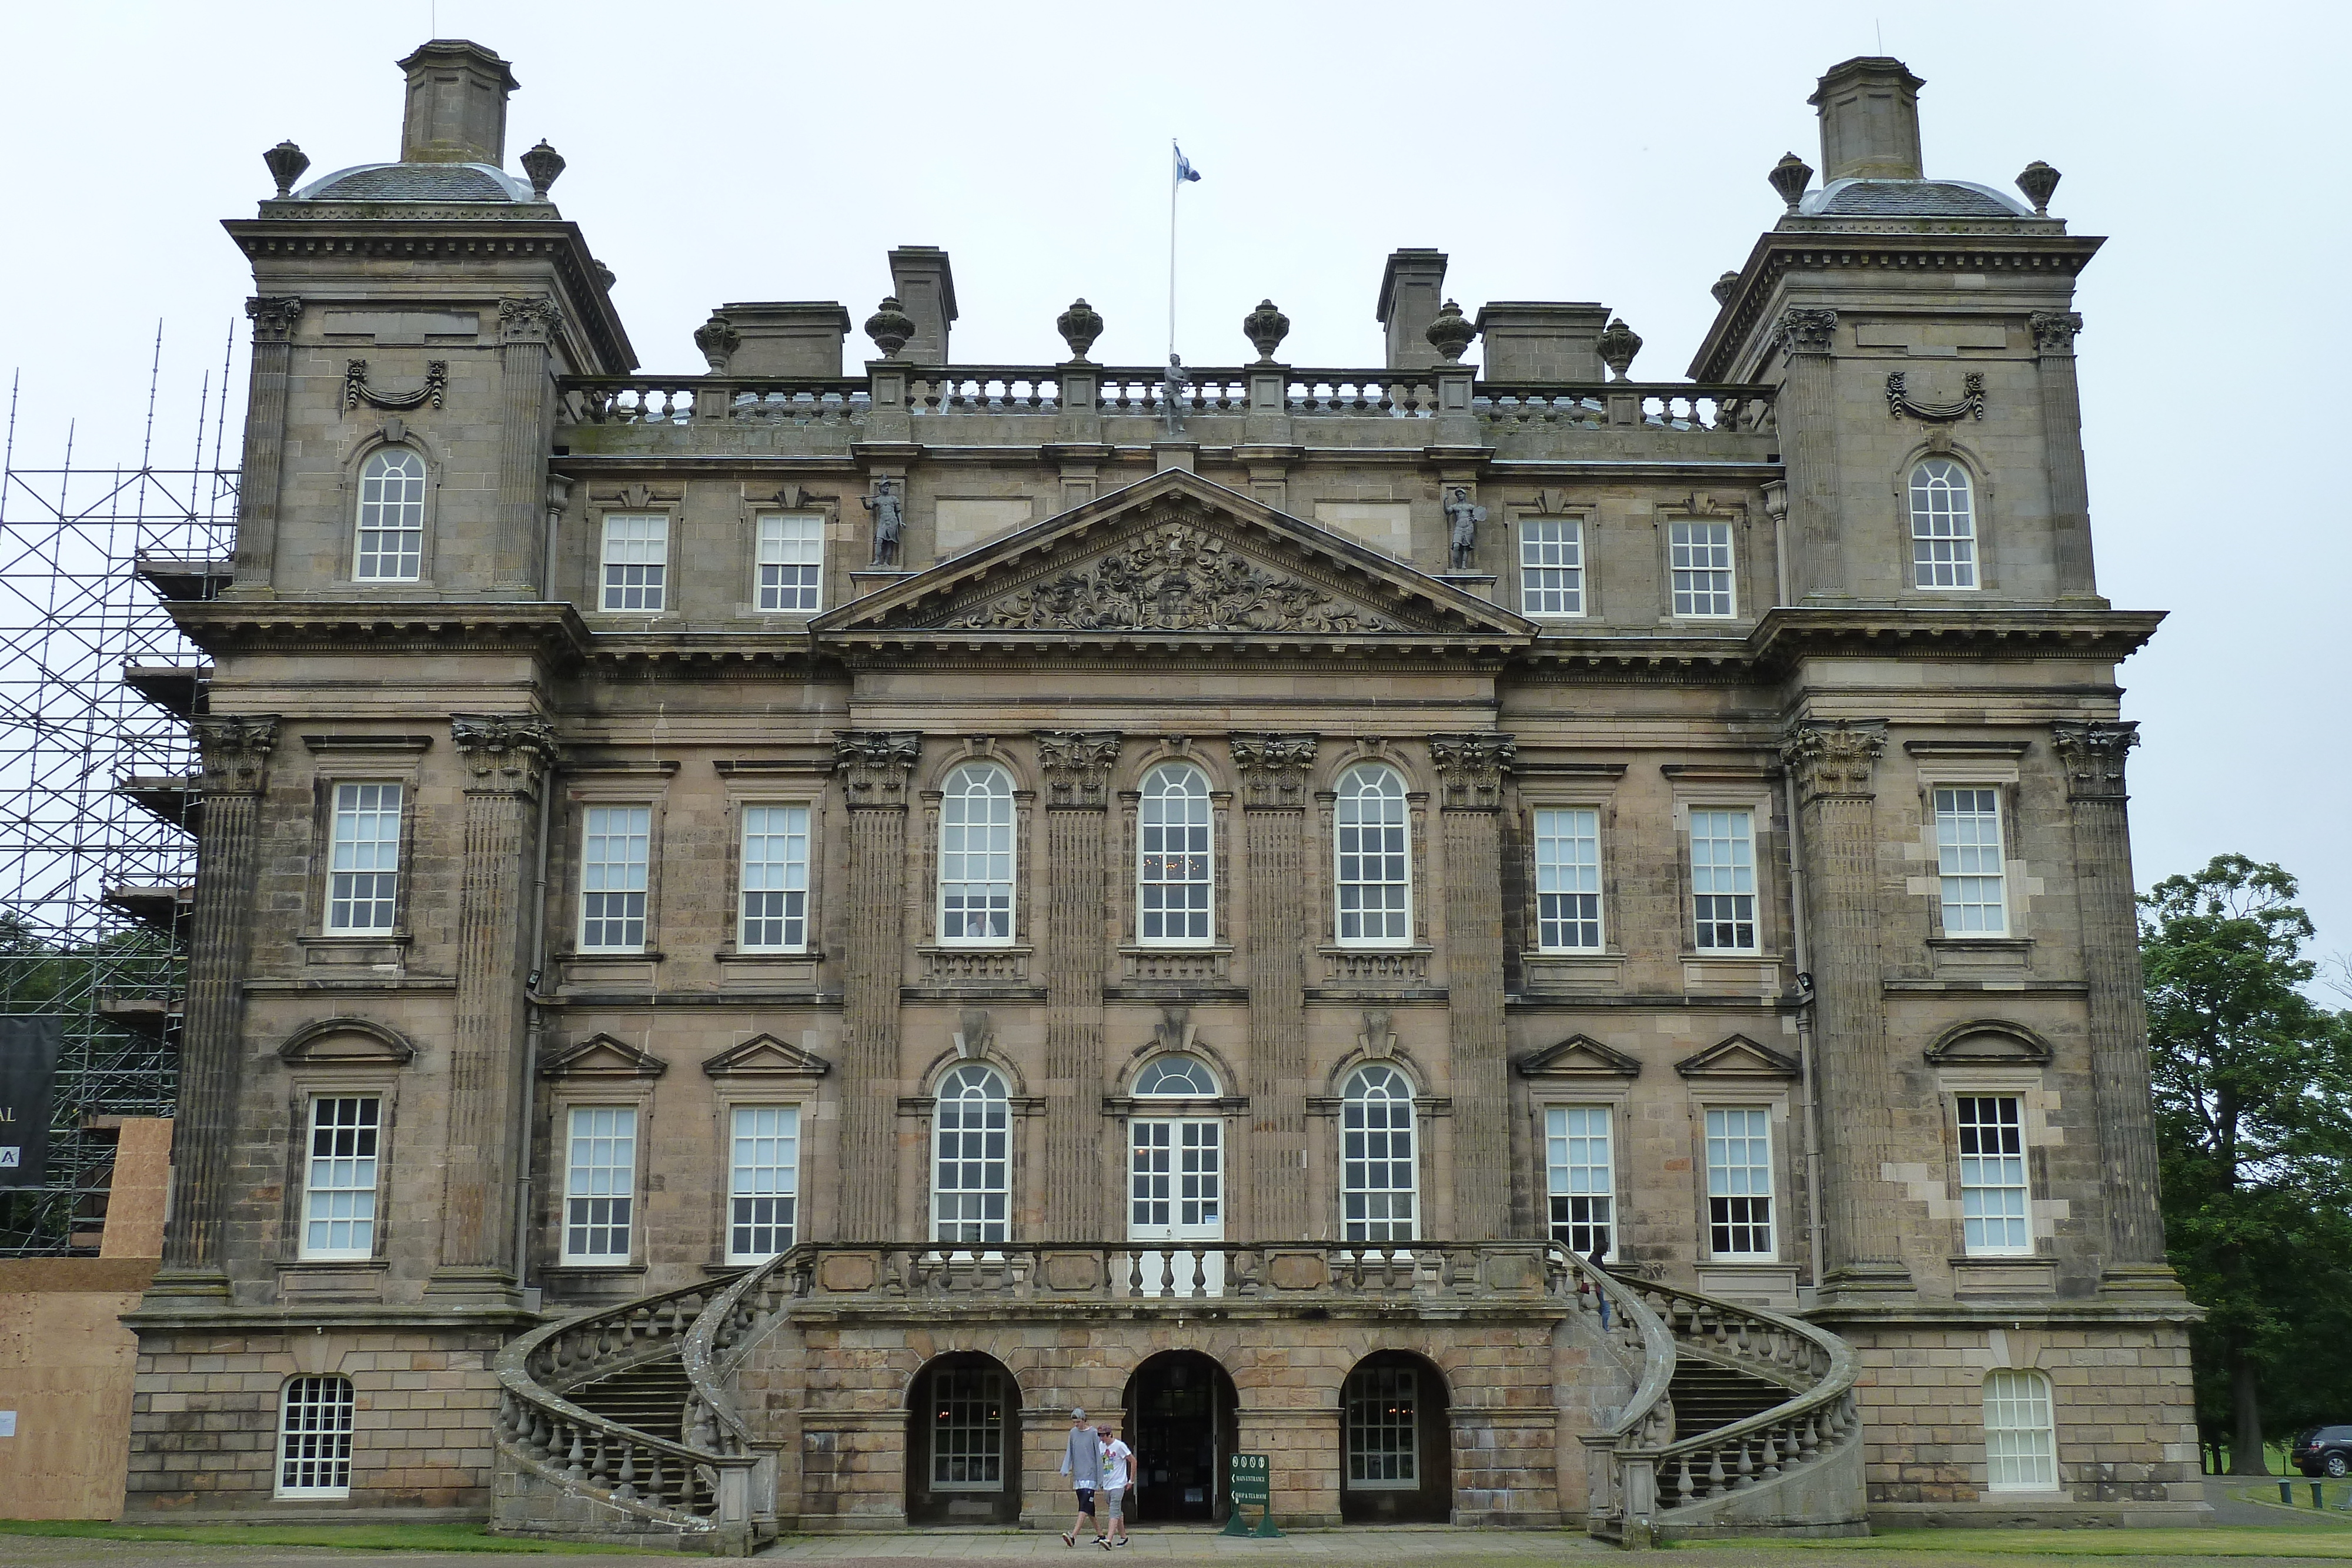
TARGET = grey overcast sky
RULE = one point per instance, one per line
(1565, 152)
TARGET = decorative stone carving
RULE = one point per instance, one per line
(1834, 758)
(2039, 180)
(1462, 516)
(1806, 331)
(233, 752)
(1265, 328)
(606, 276)
(1078, 766)
(1174, 1031)
(1173, 578)
(1451, 333)
(874, 765)
(1470, 768)
(274, 318)
(356, 390)
(889, 517)
(2092, 754)
(1619, 344)
(541, 164)
(1273, 768)
(286, 163)
(2053, 331)
(975, 1032)
(890, 327)
(1789, 177)
(533, 321)
(717, 339)
(503, 751)
(1970, 404)
(1377, 1040)
(1722, 288)
(1079, 326)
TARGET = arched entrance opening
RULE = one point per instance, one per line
(1396, 1444)
(964, 1443)
(1183, 1421)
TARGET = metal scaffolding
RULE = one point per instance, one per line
(97, 815)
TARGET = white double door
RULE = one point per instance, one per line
(1175, 1197)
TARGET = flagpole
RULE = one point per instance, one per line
(1174, 182)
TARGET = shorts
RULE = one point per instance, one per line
(1087, 1501)
(1118, 1496)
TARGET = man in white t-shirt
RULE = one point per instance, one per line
(1118, 1469)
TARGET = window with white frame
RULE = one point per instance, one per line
(1184, 1077)
(1173, 874)
(976, 856)
(972, 1157)
(1968, 862)
(1580, 1177)
(1568, 880)
(1551, 566)
(1723, 880)
(763, 1181)
(1701, 563)
(390, 546)
(1375, 878)
(967, 1430)
(1383, 1428)
(315, 1417)
(1943, 526)
(340, 1178)
(775, 872)
(2020, 1437)
(615, 854)
(363, 858)
(792, 562)
(1378, 1177)
(1739, 1182)
(600, 1184)
(637, 562)
(1992, 1173)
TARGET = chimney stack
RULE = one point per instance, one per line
(925, 287)
(1411, 292)
(456, 105)
(1870, 121)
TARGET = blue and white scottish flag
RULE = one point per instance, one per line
(1185, 170)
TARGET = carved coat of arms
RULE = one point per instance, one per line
(1172, 577)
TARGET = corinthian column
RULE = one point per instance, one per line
(1807, 414)
(1470, 771)
(872, 766)
(1856, 1092)
(506, 762)
(2061, 447)
(526, 410)
(1077, 776)
(233, 756)
(274, 320)
(1272, 769)
(2092, 754)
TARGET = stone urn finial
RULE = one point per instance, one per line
(1790, 176)
(1079, 326)
(890, 327)
(2039, 180)
(717, 339)
(1265, 328)
(1722, 286)
(604, 276)
(286, 163)
(542, 163)
(1619, 344)
(1451, 333)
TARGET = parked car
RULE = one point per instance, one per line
(2323, 1451)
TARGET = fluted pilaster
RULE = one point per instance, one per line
(1077, 768)
(1807, 413)
(274, 320)
(1272, 769)
(1470, 773)
(873, 766)
(526, 411)
(2061, 447)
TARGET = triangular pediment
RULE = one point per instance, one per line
(601, 1056)
(1175, 556)
(765, 1056)
(347, 1042)
(1988, 1042)
(1738, 1057)
(1579, 1056)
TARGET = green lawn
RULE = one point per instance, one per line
(357, 1537)
(2213, 1541)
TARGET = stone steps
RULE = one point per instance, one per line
(1707, 1396)
(650, 1396)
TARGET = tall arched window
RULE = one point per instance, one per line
(1374, 874)
(1943, 526)
(391, 518)
(1173, 872)
(976, 856)
(2020, 1438)
(972, 1157)
(1377, 1176)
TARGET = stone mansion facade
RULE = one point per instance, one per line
(1536, 946)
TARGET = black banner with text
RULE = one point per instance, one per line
(28, 1075)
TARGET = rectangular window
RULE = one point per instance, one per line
(1383, 1429)
(339, 1184)
(776, 879)
(791, 563)
(2020, 1436)
(1568, 880)
(314, 1438)
(612, 861)
(966, 1409)
(363, 860)
(1992, 1174)
(1739, 1182)
(1723, 881)
(637, 562)
(1579, 1179)
(600, 1184)
(1969, 860)
(1702, 568)
(764, 1182)
(1551, 566)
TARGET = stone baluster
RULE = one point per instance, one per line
(1808, 415)
(2061, 450)
(1274, 772)
(1076, 769)
(1470, 770)
(274, 322)
(873, 766)
(527, 331)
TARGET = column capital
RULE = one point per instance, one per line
(274, 316)
(1076, 765)
(1806, 331)
(504, 753)
(233, 752)
(1272, 769)
(1834, 759)
(2053, 332)
(2092, 754)
(874, 765)
(535, 319)
(1470, 768)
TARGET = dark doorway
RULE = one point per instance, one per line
(1396, 1443)
(964, 1443)
(1183, 1422)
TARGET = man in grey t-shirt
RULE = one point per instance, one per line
(1082, 1462)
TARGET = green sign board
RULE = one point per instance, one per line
(1249, 1483)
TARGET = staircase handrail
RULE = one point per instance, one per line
(722, 1337)
(1637, 1329)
